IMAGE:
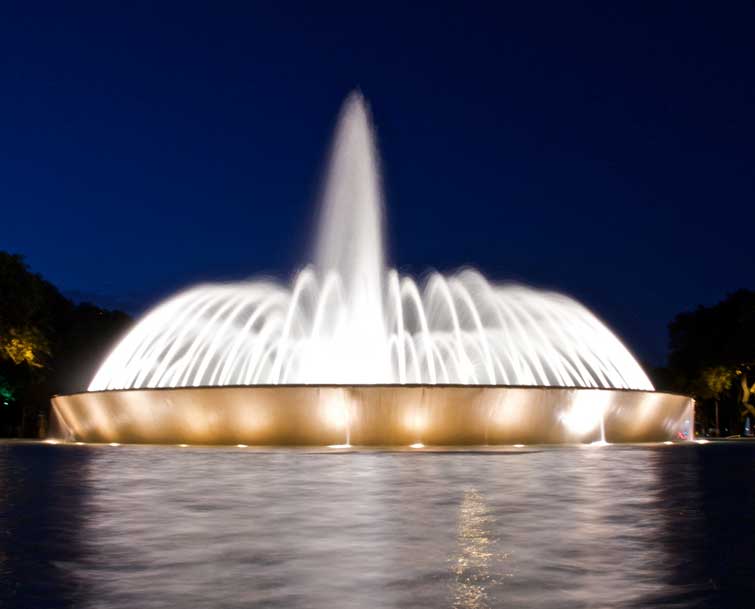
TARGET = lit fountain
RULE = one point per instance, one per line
(354, 351)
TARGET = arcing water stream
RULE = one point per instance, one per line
(349, 319)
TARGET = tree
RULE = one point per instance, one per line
(47, 344)
(25, 345)
(710, 348)
(27, 301)
(746, 390)
(713, 384)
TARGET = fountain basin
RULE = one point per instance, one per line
(372, 415)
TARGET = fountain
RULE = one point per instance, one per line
(352, 351)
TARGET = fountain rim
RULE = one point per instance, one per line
(374, 385)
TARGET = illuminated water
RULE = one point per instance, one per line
(147, 527)
(349, 318)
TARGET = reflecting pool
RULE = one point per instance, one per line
(138, 526)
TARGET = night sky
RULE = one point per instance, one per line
(605, 152)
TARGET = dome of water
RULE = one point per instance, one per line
(348, 319)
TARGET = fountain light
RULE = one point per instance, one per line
(519, 445)
(702, 441)
(417, 445)
(668, 442)
(79, 444)
(183, 445)
(336, 414)
(582, 418)
(339, 445)
(242, 446)
(415, 420)
(114, 444)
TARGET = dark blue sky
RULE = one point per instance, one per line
(604, 151)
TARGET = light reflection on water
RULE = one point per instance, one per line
(186, 527)
(473, 565)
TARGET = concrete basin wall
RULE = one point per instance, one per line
(372, 415)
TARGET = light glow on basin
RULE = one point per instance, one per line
(415, 420)
(349, 318)
(585, 414)
(379, 415)
(336, 414)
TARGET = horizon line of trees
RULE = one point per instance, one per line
(49, 345)
(712, 358)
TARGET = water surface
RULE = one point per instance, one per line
(148, 527)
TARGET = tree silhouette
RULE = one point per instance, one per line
(710, 349)
(48, 344)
